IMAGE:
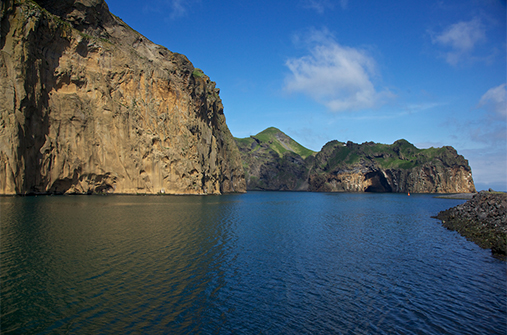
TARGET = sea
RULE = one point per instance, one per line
(254, 263)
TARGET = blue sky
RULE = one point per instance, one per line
(431, 72)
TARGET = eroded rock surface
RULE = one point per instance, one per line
(89, 105)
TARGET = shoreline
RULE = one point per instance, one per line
(482, 220)
(459, 196)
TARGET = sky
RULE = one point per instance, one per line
(431, 72)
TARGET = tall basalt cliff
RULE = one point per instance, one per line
(351, 167)
(88, 105)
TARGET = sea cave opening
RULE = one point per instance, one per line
(377, 183)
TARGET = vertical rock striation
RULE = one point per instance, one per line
(89, 105)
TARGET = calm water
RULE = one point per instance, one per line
(263, 262)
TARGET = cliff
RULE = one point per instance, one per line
(482, 220)
(351, 167)
(89, 105)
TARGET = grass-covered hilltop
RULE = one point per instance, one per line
(274, 161)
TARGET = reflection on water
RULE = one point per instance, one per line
(264, 262)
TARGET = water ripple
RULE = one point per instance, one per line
(270, 263)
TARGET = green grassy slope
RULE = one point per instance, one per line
(399, 155)
(277, 141)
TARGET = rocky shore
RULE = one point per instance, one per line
(482, 219)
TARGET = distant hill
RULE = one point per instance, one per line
(277, 141)
(274, 161)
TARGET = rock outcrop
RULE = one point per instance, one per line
(482, 219)
(89, 105)
(351, 167)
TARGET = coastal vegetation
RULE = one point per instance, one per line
(274, 161)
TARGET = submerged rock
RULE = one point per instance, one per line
(88, 105)
(482, 219)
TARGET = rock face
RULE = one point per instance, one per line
(274, 161)
(89, 105)
(351, 167)
(483, 220)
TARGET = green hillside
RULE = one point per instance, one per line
(276, 140)
(399, 155)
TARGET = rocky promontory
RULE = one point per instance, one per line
(274, 161)
(88, 105)
(482, 219)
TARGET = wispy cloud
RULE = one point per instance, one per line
(179, 8)
(320, 6)
(175, 8)
(495, 101)
(417, 107)
(488, 167)
(485, 137)
(336, 76)
(460, 39)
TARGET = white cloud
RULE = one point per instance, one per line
(336, 76)
(461, 38)
(495, 100)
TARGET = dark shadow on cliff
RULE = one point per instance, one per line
(44, 46)
(379, 183)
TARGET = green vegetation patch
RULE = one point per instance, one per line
(244, 141)
(339, 155)
(198, 73)
(399, 155)
(267, 134)
(302, 151)
(270, 137)
(278, 148)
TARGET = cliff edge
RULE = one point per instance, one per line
(88, 105)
